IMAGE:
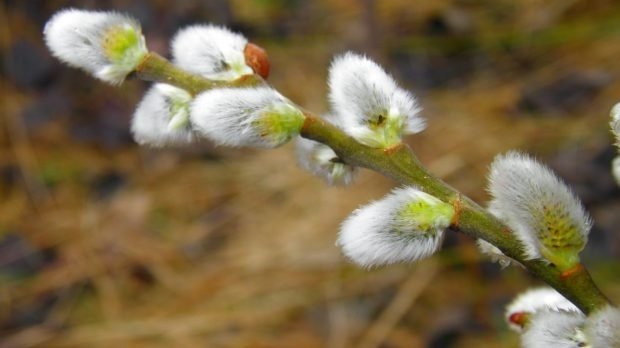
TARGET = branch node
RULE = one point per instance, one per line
(143, 61)
(578, 268)
(457, 205)
(394, 148)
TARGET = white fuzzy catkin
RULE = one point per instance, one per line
(320, 160)
(615, 122)
(211, 51)
(535, 300)
(615, 169)
(603, 328)
(385, 231)
(255, 117)
(555, 329)
(540, 209)
(369, 104)
(615, 129)
(96, 42)
(162, 117)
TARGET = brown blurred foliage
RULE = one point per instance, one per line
(104, 243)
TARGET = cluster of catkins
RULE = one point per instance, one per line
(367, 104)
(545, 319)
(110, 46)
(551, 225)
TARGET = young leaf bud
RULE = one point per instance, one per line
(543, 213)
(405, 226)
(369, 104)
(257, 59)
(255, 117)
(162, 117)
(520, 310)
(217, 53)
(603, 328)
(108, 45)
(555, 329)
(322, 161)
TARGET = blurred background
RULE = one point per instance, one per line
(104, 243)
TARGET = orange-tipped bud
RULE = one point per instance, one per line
(518, 318)
(257, 59)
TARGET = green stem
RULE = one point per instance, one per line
(400, 164)
(156, 68)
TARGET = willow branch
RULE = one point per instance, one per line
(156, 68)
(401, 164)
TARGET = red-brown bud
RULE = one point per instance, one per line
(257, 59)
(518, 318)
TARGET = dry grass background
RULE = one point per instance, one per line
(103, 243)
